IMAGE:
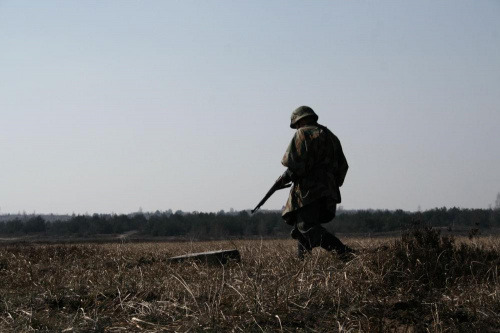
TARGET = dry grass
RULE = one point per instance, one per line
(392, 285)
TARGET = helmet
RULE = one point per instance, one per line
(300, 113)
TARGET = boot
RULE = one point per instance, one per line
(302, 249)
(331, 243)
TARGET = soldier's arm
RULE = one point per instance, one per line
(341, 163)
(296, 155)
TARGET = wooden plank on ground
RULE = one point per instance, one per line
(211, 257)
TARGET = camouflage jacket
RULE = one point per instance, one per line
(318, 167)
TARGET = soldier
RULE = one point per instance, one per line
(317, 167)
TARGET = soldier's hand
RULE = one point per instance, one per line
(286, 178)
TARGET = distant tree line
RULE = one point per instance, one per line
(221, 225)
(386, 221)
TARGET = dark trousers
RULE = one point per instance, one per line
(310, 234)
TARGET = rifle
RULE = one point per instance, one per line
(278, 185)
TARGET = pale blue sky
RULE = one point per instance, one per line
(108, 106)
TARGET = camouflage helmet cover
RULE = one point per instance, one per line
(300, 113)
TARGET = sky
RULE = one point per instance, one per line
(116, 106)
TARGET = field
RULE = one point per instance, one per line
(421, 282)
